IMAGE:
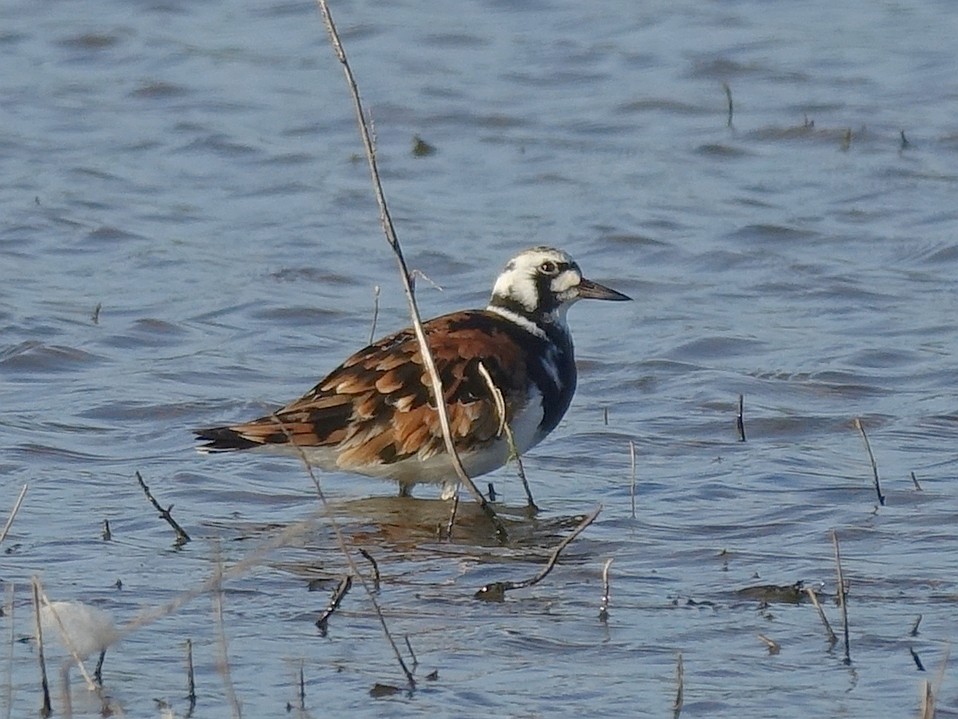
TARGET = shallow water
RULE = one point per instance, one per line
(189, 237)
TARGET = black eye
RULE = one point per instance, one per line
(548, 268)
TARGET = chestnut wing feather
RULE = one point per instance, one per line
(376, 409)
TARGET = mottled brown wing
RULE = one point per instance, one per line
(375, 408)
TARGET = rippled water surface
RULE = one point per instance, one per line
(188, 236)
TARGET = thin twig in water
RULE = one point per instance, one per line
(107, 533)
(393, 241)
(496, 591)
(223, 661)
(302, 685)
(500, 403)
(13, 513)
(916, 659)
(914, 627)
(871, 458)
(452, 516)
(415, 662)
(372, 561)
(606, 592)
(740, 418)
(680, 689)
(821, 615)
(190, 678)
(181, 536)
(345, 584)
(632, 474)
(914, 480)
(728, 97)
(45, 708)
(842, 596)
(372, 330)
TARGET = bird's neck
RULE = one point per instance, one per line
(546, 325)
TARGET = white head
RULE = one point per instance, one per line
(541, 284)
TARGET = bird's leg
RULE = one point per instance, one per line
(405, 489)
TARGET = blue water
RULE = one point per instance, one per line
(194, 171)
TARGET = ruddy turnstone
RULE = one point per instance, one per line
(372, 414)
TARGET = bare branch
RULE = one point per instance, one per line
(496, 591)
(181, 536)
(871, 458)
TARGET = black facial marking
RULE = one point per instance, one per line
(548, 302)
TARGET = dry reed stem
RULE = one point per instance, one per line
(606, 591)
(940, 676)
(871, 458)
(510, 438)
(496, 591)
(372, 329)
(821, 614)
(223, 660)
(927, 710)
(740, 418)
(415, 662)
(13, 513)
(45, 708)
(680, 688)
(842, 596)
(632, 474)
(452, 516)
(181, 536)
(393, 241)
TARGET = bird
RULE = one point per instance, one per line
(374, 414)
(83, 630)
